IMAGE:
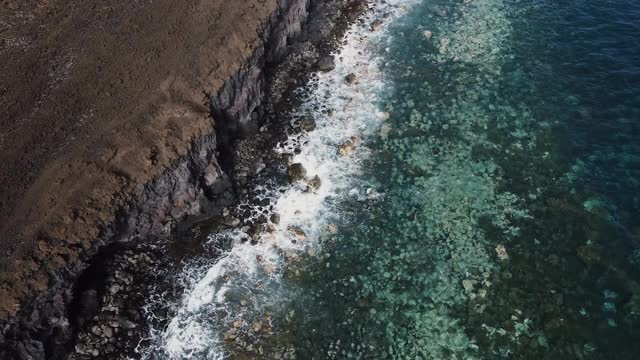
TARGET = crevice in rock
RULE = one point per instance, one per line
(88, 292)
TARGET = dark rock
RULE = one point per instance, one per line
(88, 307)
(296, 172)
(351, 78)
(275, 218)
(326, 63)
(308, 123)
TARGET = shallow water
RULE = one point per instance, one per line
(491, 210)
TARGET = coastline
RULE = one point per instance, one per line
(194, 186)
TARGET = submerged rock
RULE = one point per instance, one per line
(501, 251)
(332, 229)
(296, 172)
(427, 34)
(385, 130)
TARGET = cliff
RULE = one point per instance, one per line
(106, 133)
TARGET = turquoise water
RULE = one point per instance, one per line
(514, 125)
(490, 213)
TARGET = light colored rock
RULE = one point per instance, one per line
(346, 148)
(468, 285)
(501, 251)
(298, 233)
(376, 25)
(384, 116)
(314, 184)
(427, 34)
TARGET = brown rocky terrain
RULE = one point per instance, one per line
(98, 98)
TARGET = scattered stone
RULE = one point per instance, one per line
(363, 302)
(468, 285)
(351, 78)
(96, 330)
(376, 25)
(275, 218)
(298, 233)
(385, 130)
(372, 193)
(260, 258)
(114, 289)
(501, 251)
(287, 158)
(326, 63)
(346, 148)
(231, 221)
(356, 141)
(332, 229)
(308, 123)
(427, 34)
(256, 326)
(314, 184)
(297, 172)
(226, 278)
(384, 116)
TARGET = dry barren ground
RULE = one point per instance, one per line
(96, 99)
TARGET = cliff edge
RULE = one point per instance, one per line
(99, 100)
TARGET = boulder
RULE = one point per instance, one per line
(326, 63)
(356, 141)
(314, 184)
(298, 233)
(376, 25)
(308, 123)
(346, 148)
(296, 172)
(351, 78)
(275, 218)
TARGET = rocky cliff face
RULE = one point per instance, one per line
(37, 288)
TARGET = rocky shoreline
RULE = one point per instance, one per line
(94, 308)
